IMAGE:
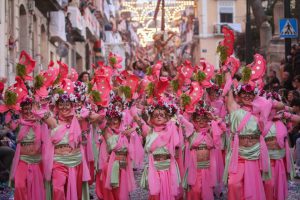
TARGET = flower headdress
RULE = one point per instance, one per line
(116, 98)
(202, 109)
(113, 112)
(80, 90)
(170, 108)
(27, 100)
(270, 95)
(248, 88)
(64, 92)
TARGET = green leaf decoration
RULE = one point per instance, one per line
(58, 91)
(246, 74)
(10, 98)
(220, 79)
(57, 80)
(113, 60)
(96, 95)
(21, 70)
(90, 87)
(38, 81)
(149, 71)
(175, 85)
(199, 76)
(150, 89)
(222, 51)
(126, 91)
(185, 100)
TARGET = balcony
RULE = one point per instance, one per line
(92, 25)
(46, 6)
(75, 25)
(234, 26)
(57, 27)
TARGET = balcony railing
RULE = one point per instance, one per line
(234, 26)
(76, 32)
(46, 6)
(57, 26)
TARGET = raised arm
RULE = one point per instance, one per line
(230, 102)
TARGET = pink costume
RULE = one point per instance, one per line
(135, 141)
(87, 141)
(200, 165)
(220, 111)
(246, 159)
(184, 129)
(117, 174)
(68, 171)
(26, 171)
(162, 176)
(101, 163)
(276, 188)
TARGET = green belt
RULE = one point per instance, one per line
(250, 153)
(277, 154)
(203, 164)
(70, 160)
(31, 159)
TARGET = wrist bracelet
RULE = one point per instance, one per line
(46, 115)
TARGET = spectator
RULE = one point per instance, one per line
(286, 81)
(84, 77)
(293, 94)
(289, 65)
(138, 69)
(6, 151)
(296, 83)
(295, 136)
(273, 82)
(296, 63)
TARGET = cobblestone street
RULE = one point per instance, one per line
(140, 194)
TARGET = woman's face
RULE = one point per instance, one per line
(200, 121)
(27, 112)
(64, 108)
(78, 104)
(290, 96)
(115, 122)
(119, 105)
(214, 95)
(246, 98)
(159, 117)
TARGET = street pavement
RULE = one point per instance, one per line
(140, 194)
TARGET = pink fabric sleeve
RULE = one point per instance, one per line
(227, 86)
(188, 126)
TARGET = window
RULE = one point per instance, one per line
(226, 17)
(226, 14)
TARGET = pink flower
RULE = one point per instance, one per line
(248, 88)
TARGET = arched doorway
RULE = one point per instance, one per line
(23, 29)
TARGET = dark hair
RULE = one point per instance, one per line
(82, 74)
(297, 78)
(296, 102)
(295, 93)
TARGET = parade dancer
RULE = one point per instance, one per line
(275, 132)
(248, 155)
(67, 165)
(27, 167)
(219, 109)
(117, 174)
(201, 174)
(161, 177)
